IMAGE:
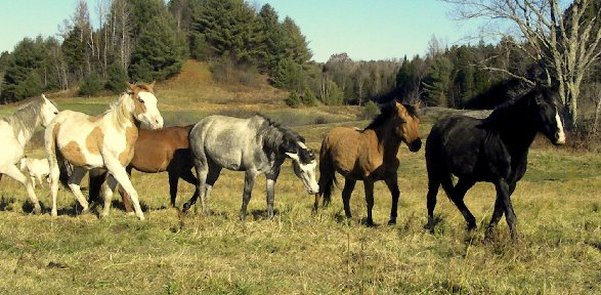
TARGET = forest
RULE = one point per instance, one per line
(138, 40)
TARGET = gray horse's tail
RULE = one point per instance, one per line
(327, 177)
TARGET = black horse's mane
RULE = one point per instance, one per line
(388, 110)
(508, 107)
(278, 137)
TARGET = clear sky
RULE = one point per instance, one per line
(365, 29)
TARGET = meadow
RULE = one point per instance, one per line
(558, 206)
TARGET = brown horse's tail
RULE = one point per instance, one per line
(327, 177)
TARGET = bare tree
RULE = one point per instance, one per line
(564, 41)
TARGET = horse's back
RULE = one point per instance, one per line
(225, 140)
(460, 145)
(155, 149)
(341, 146)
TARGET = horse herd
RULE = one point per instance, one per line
(130, 135)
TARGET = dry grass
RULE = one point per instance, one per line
(557, 203)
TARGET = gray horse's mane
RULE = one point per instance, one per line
(26, 118)
(278, 139)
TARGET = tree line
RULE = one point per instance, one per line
(150, 39)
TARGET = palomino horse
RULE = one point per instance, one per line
(255, 145)
(494, 150)
(102, 142)
(369, 155)
(15, 131)
(166, 149)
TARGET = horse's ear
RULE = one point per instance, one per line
(151, 85)
(43, 97)
(130, 88)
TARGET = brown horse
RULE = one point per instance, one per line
(369, 155)
(156, 151)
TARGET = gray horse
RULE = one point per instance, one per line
(255, 145)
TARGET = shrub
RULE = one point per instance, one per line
(294, 100)
(91, 85)
(309, 98)
(370, 110)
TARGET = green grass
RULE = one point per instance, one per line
(559, 250)
(558, 207)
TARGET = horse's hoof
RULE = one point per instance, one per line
(37, 210)
(185, 207)
(392, 222)
(53, 213)
(471, 227)
(141, 217)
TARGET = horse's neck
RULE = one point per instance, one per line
(24, 128)
(516, 130)
(388, 141)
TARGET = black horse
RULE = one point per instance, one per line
(493, 150)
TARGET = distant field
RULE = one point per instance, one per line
(558, 206)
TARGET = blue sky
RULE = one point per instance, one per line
(365, 29)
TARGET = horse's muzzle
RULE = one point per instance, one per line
(415, 145)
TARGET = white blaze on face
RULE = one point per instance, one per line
(561, 136)
(152, 116)
(306, 172)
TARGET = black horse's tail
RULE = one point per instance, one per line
(327, 177)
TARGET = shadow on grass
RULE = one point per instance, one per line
(261, 214)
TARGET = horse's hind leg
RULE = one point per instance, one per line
(349, 186)
(249, 182)
(433, 185)
(108, 187)
(173, 180)
(457, 195)
(74, 181)
(395, 193)
(12, 171)
(189, 177)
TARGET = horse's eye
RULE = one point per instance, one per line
(56, 113)
(140, 100)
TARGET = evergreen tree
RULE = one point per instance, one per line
(437, 82)
(159, 50)
(274, 38)
(22, 78)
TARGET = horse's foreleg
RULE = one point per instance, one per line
(12, 171)
(249, 182)
(498, 211)
(108, 187)
(124, 196)
(369, 199)
(74, 181)
(503, 192)
(118, 172)
(395, 193)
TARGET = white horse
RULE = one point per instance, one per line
(35, 169)
(102, 142)
(15, 132)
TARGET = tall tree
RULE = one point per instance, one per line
(564, 42)
(159, 50)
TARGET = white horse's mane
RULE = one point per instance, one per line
(120, 109)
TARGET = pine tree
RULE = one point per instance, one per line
(159, 50)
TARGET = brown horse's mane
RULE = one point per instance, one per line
(388, 110)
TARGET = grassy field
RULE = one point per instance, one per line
(558, 206)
